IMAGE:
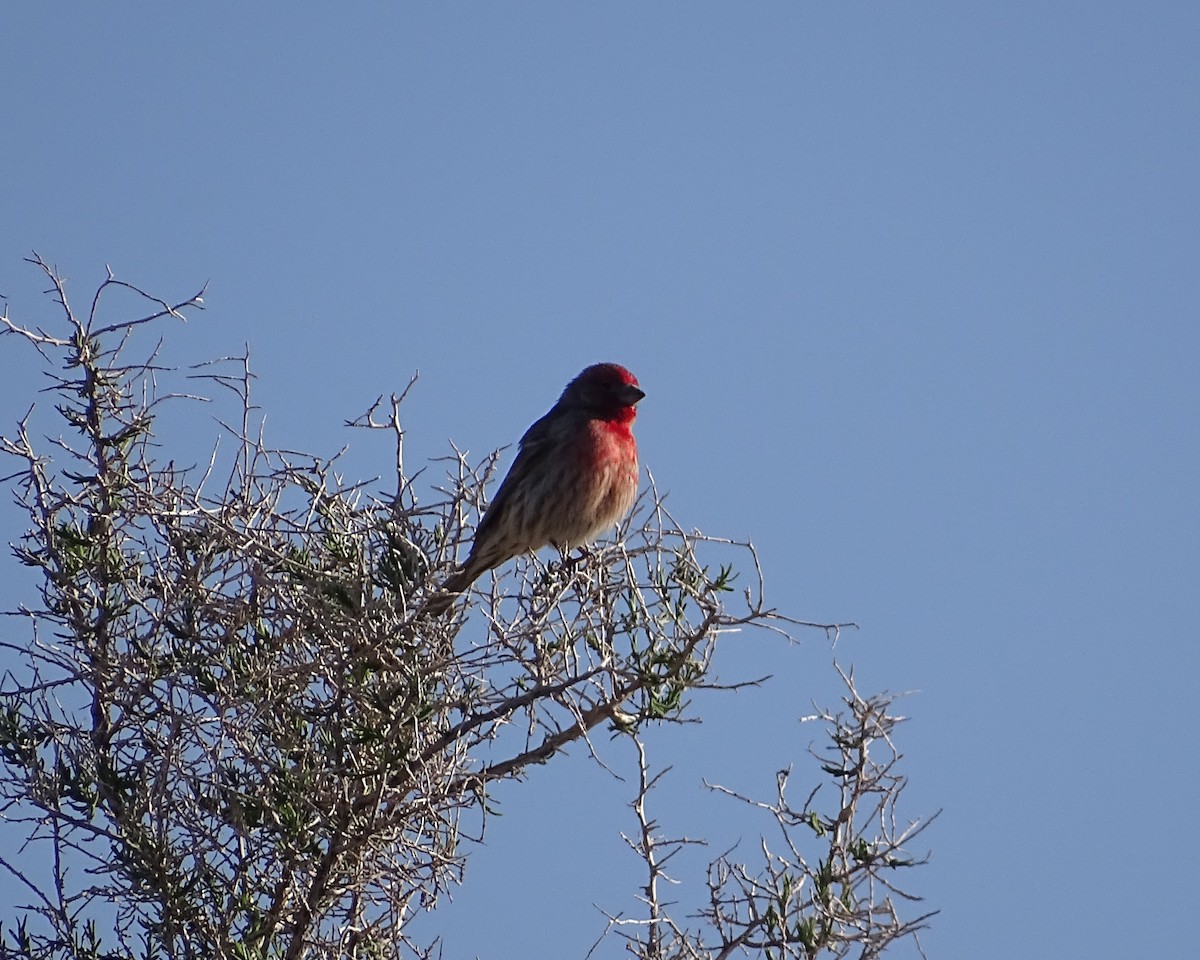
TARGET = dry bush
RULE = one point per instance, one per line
(229, 731)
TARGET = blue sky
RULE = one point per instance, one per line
(913, 292)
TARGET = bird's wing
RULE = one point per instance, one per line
(540, 433)
(536, 447)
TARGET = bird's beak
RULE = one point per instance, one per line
(631, 394)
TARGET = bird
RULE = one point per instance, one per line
(575, 475)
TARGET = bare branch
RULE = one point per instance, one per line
(230, 733)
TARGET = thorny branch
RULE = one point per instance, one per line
(829, 884)
(235, 737)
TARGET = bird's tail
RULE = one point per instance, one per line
(441, 601)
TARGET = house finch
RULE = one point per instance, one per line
(575, 475)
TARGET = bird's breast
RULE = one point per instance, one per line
(614, 476)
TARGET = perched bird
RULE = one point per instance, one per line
(575, 475)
